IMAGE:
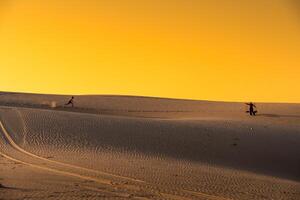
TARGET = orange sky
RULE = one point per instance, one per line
(216, 50)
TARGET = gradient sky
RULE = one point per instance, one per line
(232, 50)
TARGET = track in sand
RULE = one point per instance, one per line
(114, 147)
(102, 182)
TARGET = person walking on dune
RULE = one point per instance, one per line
(251, 110)
(71, 102)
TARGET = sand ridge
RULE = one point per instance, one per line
(118, 147)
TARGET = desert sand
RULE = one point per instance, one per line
(124, 147)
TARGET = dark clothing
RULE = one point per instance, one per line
(252, 111)
(70, 102)
(251, 108)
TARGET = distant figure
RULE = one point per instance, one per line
(251, 108)
(71, 102)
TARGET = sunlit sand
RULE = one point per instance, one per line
(122, 147)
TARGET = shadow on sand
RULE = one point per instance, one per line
(277, 116)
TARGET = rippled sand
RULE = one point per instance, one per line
(115, 147)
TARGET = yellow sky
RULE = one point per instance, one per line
(217, 50)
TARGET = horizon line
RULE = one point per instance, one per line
(145, 96)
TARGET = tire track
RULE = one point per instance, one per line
(109, 189)
(13, 144)
(91, 188)
(16, 147)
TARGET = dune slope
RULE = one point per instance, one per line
(151, 148)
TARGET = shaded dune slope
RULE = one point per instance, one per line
(211, 132)
(197, 145)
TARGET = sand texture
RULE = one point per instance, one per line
(123, 147)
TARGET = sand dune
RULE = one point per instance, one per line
(121, 147)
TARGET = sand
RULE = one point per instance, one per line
(123, 147)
